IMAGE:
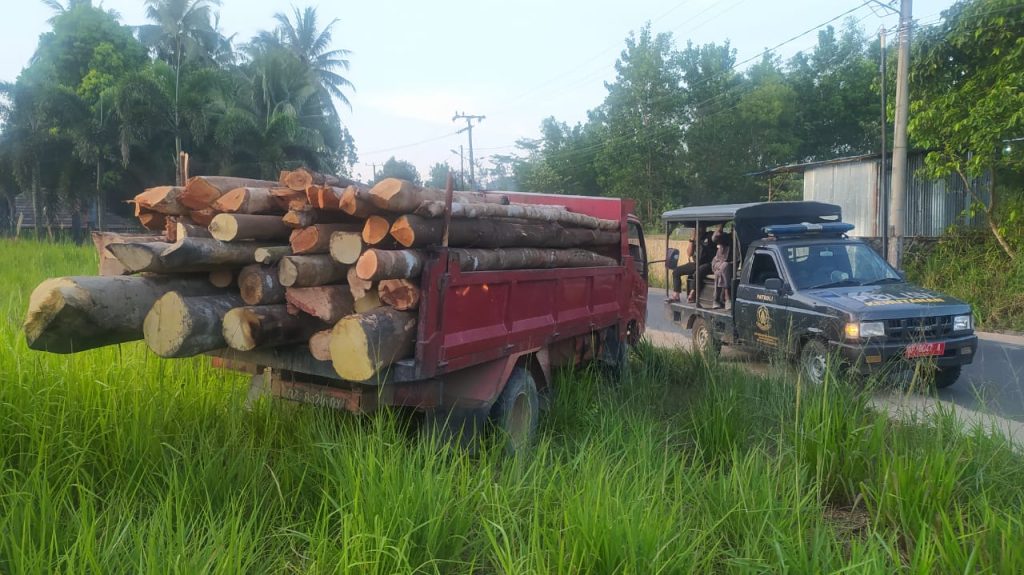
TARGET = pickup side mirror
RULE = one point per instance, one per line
(773, 284)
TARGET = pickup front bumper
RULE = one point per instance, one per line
(868, 357)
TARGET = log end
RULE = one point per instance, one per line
(46, 306)
(350, 350)
(366, 266)
(375, 230)
(288, 272)
(403, 232)
(224, 227)
(167, 325)
(346, 247)
(239, 325)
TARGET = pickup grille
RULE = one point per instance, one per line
(919, 328)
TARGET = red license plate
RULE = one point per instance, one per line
(926, 349)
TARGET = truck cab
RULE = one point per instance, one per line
(804, 290)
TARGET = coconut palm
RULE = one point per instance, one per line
(313, 47)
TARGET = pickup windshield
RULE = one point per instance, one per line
(833, 265)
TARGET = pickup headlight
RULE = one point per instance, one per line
(962, 323)
(855, 330)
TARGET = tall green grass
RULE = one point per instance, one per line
(115, 461)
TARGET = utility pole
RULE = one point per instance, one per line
(469, 128)
(374, 173)
(883, 188)
(898, 201)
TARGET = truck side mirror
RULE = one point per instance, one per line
(773, 284)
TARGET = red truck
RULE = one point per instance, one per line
(487, 341)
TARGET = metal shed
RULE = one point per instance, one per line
(854, 184)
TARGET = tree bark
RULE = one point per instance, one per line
(259, 285)
(308, 216)
(550, 214)
(180, 326)
(249, 327)
(202, 191)
(140, 256)
(316, 239)
(356, 201)
(203, 217)
(199, 254)
(528, 258)
(404, 197)
(400, 294)
(238, 227)
(286, 196)
(162, 199)
(377, 264)
(248, 201)
(302, 178)
(308, 271)
(364, 344)
(71, 314)
(416, 231)
(356, 284)
(328, 303)
(269, 256)
(345, 247)
(320, 345)
(222, 278)
(190, 230)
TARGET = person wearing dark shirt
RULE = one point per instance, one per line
(691, 266)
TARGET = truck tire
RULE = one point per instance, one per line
(816, 361)
(516, 411)
(946, 376)
(704, 342)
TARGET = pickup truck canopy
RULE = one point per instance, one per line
(749, 219)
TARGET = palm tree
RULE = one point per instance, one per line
(313, 47)
(179, 26)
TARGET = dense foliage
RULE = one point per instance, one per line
(103, 109)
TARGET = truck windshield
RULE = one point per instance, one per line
(830, 265)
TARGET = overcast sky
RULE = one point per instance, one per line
(415, 63)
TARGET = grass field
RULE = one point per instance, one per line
(113, 461)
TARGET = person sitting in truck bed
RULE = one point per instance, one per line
(692, 267)
(721, 265)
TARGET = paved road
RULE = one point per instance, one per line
(994, 383)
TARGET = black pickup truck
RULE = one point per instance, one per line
(802, 288)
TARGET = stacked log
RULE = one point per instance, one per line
(311, 259)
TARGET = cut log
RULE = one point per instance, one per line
(417, 231)
(109, 265)
(71, 314)
(400, 294)
(551, 214)
(303, 178)
(285, 197)
(308, 271)
(316, 239)
(364, 344)
(328, 303)
(320, 345)
(528, 258)
(356, 201)
(180, 326)
(153, 221)
(203, 217)
(171, 228)
(376, 230)
(200, 254)
(346, 247)
(202, 191)
(356, 284)
(370, 301)
(250, 327)
(140, 256)
(162, 199)
(259, 285)
(222, 278)
(237, 227)
(403, 197)
(191, 230)
(273, 255)
(308, 216)
(377, 264)
(248, 201)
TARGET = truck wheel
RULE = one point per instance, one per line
(516, 411)
(815, 361)
(704, 342)
(946, 376)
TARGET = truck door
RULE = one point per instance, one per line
(638, 294)
(760, 312)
